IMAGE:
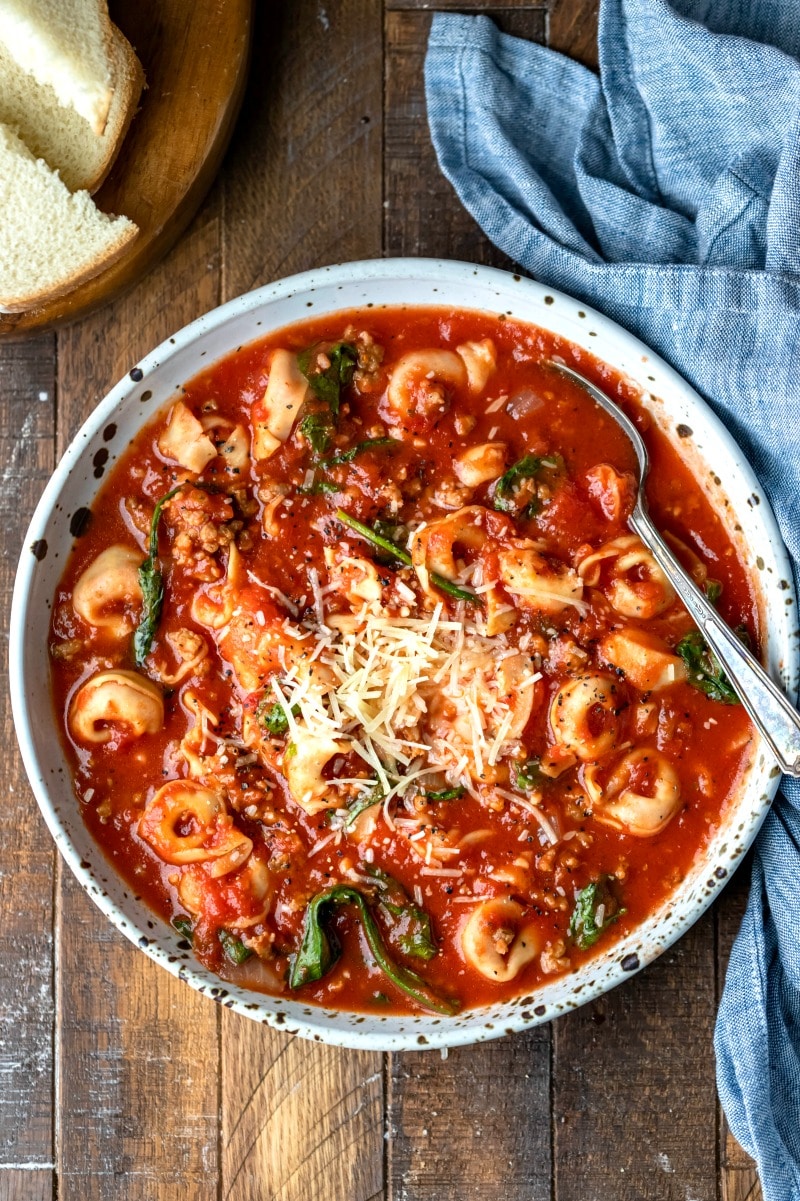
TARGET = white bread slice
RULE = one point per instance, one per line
(59, 135)
(50, 240)
(67, 44)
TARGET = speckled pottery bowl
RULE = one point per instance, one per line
(66, 508)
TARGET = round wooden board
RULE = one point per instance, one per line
(195, 58)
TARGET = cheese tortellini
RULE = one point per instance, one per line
(186, 822)
(584, 715)
(645, 660)
(116, 704)
(275, 413)
(635, 584)
(184, 440)
(640, 797)
(108, 591)
(499, 939)
(421, 385)
(304, 761)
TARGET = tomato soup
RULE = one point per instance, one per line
(366, 685)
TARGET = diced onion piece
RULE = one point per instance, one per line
(480, 360)
(275, 414)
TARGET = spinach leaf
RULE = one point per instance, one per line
(713, 590)
(273, 717)
(528, 775)
(233, 947)
(412, 930)
(359, 806)
(184, 926)
(347, 456)
(327, 383)
(584, 927)
(318, 486)
(319, 949)
(151, 583)
(316, 428)
(529, 467)
(403, 556)
(447, 794)
(705, 669)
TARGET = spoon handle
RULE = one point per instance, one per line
(771, 712)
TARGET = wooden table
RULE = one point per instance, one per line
(118, 1082)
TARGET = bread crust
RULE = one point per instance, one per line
(129, 80)
(61, 136)
(98, 264)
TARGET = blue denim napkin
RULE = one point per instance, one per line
(666, 193)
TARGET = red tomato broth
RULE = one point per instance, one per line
(706, 742)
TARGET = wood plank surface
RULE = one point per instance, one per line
(27, 855)
(118, 1082)
(136, 1050)
(634, 1102)
(302, 188)
(475, 1125)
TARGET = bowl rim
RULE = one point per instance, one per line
(450, 273)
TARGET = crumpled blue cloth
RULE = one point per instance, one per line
(666, 193)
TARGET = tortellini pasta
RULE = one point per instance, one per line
(355, 578)
(536, 582)
(116, 704)
(584, 715)
(108, 589)
(433, 546)
(214, 607)
(252, 886)
(640, 797)
(636, 585)
(645, 660)
(186, 822)
(498, 939)
(304, 761)
(420, 388)
(234, 448)
(478, 464)
(275, 414)
(480, 360)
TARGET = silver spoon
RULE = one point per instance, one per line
(777, 720)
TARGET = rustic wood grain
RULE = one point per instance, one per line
(299, 1120)
(303, 175)
(27, 388)
(423, 213)
(195, 61)
(137, 1086)
(303, 188)
(572, 29)
(26, 1185)
(475, 1126)
(634, 1109)
(137, 1051)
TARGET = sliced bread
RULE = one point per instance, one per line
(59, 135)
(67, 44)
(50, 240)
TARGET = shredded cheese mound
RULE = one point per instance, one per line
(391, 685)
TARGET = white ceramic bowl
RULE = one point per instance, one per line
(149, 385)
